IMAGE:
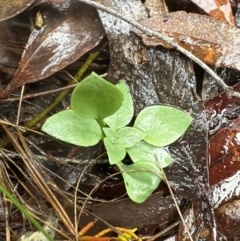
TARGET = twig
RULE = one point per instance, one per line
(161, 233)
(20, 105)
(30, 96)
(229, 91)
(174, 200)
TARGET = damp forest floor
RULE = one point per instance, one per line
(47, 47)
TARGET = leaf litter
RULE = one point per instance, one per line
(64, 37)
(142, 67)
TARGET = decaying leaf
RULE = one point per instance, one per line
(224, 147)
(224, 171)
(157, 209)
(219, 9)
(214, 42)
(11, 8)
(67, 33)
(221, 110)
(228, 220)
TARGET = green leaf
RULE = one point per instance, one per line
(141, 179)
(96, 98)
(116, 152)
(70, 127)
(143, 151)
(130, 136)
(124, 115)
(162, 124)
(110, 134)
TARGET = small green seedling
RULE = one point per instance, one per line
(102, 111)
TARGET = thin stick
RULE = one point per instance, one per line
(30, 96)
(173, 225)
(229, 91)
(20, 105)
(176, 204)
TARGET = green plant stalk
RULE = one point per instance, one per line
(77, 77)
(25, 212)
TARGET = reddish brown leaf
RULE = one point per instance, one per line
(219, 9)
(227, 219)
(224, 170)
(221, 110)
(67, 33)
(214, 42)
(11, 8)
(224, 149)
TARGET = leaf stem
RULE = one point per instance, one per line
(174, 200)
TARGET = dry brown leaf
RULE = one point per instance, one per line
(214, 42)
